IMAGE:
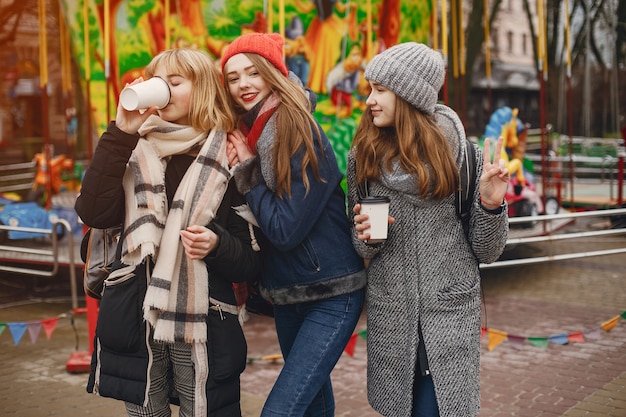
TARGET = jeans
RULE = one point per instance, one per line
(312, 338)
(424, 400)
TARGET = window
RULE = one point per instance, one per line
(494, 40)
(509, 42)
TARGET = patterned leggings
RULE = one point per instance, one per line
(172, 373)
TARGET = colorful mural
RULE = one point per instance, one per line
(327, 44)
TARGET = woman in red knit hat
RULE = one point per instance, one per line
(286, 168)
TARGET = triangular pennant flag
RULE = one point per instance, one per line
(517, 341)
(34, 327)
(609, 324)
(593, 334)
(559, 339)
(49, 325)
(495, 337)
(363, 334)
(541, 342)
(623, 315)
(2, 327)
(483, 332)
(351, 345)
(17, 331)
(576, 337)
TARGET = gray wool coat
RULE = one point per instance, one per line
(427, 271)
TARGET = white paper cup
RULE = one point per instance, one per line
(152, 92)
(377, 208)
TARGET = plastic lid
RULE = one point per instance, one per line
(372, 199)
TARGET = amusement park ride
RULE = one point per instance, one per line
(522, 196)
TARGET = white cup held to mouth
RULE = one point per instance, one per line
(152, 92)
(377, 208)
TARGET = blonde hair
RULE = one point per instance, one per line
(415, 141)
(209, 107)
(295, 126)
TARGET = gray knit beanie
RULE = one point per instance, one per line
(412, 71)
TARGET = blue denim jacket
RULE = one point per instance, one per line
(309, 254)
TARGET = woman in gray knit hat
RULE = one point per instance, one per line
(423, 291)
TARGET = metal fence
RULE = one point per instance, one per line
(48, 256)
(615, 214)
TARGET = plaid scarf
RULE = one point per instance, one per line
(177, 300)
(253, 123)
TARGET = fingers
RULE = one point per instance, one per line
(240, 144)
(486, 152)
(497, 160)
(231, 153)
(359, 224)
(239, 135)
(198, 241)
(498, 152)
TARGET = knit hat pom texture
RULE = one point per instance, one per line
(267, 45)
(413, 71)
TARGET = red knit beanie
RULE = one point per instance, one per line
(267, 45)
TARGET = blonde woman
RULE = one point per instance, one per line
(168, 330)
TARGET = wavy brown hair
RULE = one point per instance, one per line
(295, 126)
(209, 102)
(415, 141)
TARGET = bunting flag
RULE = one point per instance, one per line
(541, 342)
(19, 328)
(576, 337)
(49, 325)
(496, 337)
(267, 358)
(516, 340)
(593, 334)
(351, 345)
(34, 328)
(609, 324)
(17, 331)
(559, 339)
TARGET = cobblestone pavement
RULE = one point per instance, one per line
(517, 378)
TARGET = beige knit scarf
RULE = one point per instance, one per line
(176, 301)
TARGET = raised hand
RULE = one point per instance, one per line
(237, 148)
(495, 177)
(130, 121)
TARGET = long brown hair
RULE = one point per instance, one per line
(415, 141)
(295, 126)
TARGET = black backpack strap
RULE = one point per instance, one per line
(467, 185)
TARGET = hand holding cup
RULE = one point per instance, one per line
(128, 119)
(376, 210)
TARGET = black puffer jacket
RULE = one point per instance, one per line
(121, 352)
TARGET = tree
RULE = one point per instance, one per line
(591, 20)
